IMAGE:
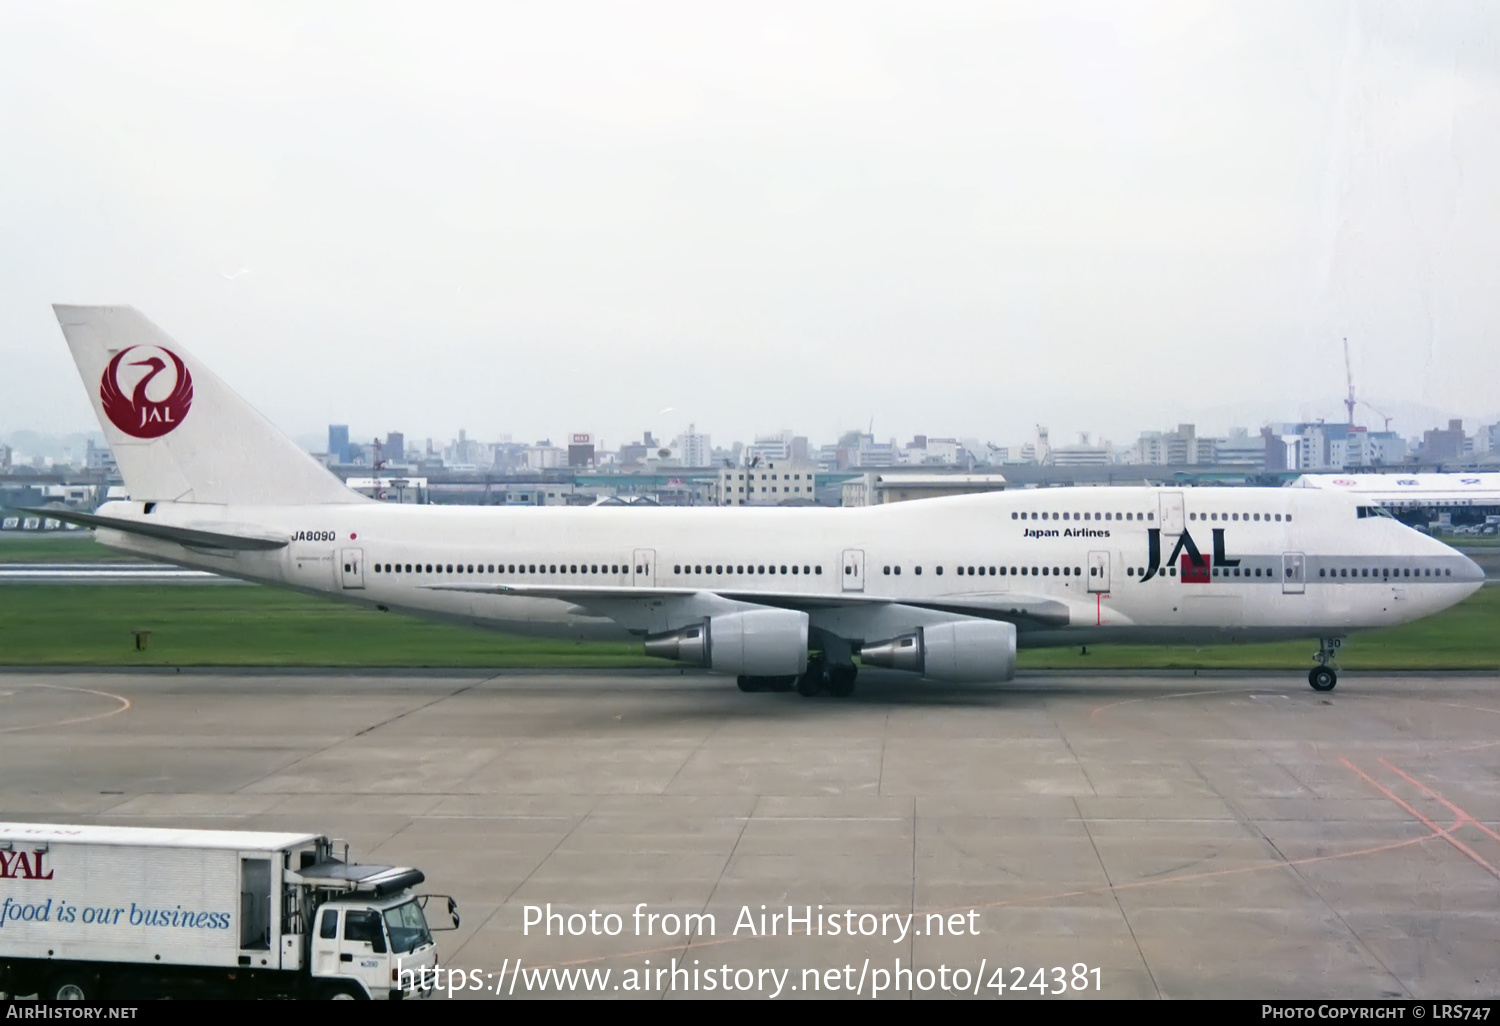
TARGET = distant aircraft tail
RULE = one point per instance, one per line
(178, 433)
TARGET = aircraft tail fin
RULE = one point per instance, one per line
(178, 433)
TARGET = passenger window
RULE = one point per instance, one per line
(898, 571)
(783, 568)
(1014, 515)
(939, 571)
(1192, 516)
(918, 571)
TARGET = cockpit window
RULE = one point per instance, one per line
(1374, 511)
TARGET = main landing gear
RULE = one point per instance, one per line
(1324, 676)
(821, 678)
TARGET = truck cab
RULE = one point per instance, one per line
(384, 948)
(369, 935)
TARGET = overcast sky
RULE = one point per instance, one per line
(955, 219)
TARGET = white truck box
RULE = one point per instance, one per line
(91, 901)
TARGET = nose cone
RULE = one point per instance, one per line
(1468, 571)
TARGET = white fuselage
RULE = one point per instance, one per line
(1065, 565)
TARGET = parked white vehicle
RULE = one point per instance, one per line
(90, 912)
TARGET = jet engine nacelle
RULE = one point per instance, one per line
(969, 651)
(752, 643)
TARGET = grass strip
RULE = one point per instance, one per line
(197, 625)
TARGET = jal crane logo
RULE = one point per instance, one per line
(140, 415)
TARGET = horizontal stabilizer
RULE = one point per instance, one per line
(193, 537)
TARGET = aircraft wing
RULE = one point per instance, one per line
(1031, 610)
(193, 537)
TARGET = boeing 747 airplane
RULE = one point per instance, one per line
(945, 588)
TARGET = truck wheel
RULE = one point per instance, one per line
(345, 992)
(71, 988)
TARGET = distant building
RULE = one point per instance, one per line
(693, 449)
(394, 449)
(5, 457)
(1387, 448)
(768, 483)
(634, 453)
(96, 457)
(879, 487)
(545, 456)
(1444, 446)
(1240, 449)
(1080, 455)
(1182, 447)
(581, 450)
(769, 447)
(338, 443)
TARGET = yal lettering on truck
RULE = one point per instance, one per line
(123, 912)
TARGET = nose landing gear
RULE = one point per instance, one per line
(1324, 676)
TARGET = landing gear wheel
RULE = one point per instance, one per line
(752, 684)
(1322, 678)
(811, 683)
(841, 681)
(71, 988)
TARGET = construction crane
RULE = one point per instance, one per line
(1350, 400)
(1349, 377)
(1378, 413)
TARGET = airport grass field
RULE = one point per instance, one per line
(214, 625)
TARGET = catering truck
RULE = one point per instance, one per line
(89, 912)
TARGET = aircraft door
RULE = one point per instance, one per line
(353, 567)
(1172, 520)
(854, 570)
(1293, 573)
(1098, 571)
(644, 570)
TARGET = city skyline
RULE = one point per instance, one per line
(533, 219)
